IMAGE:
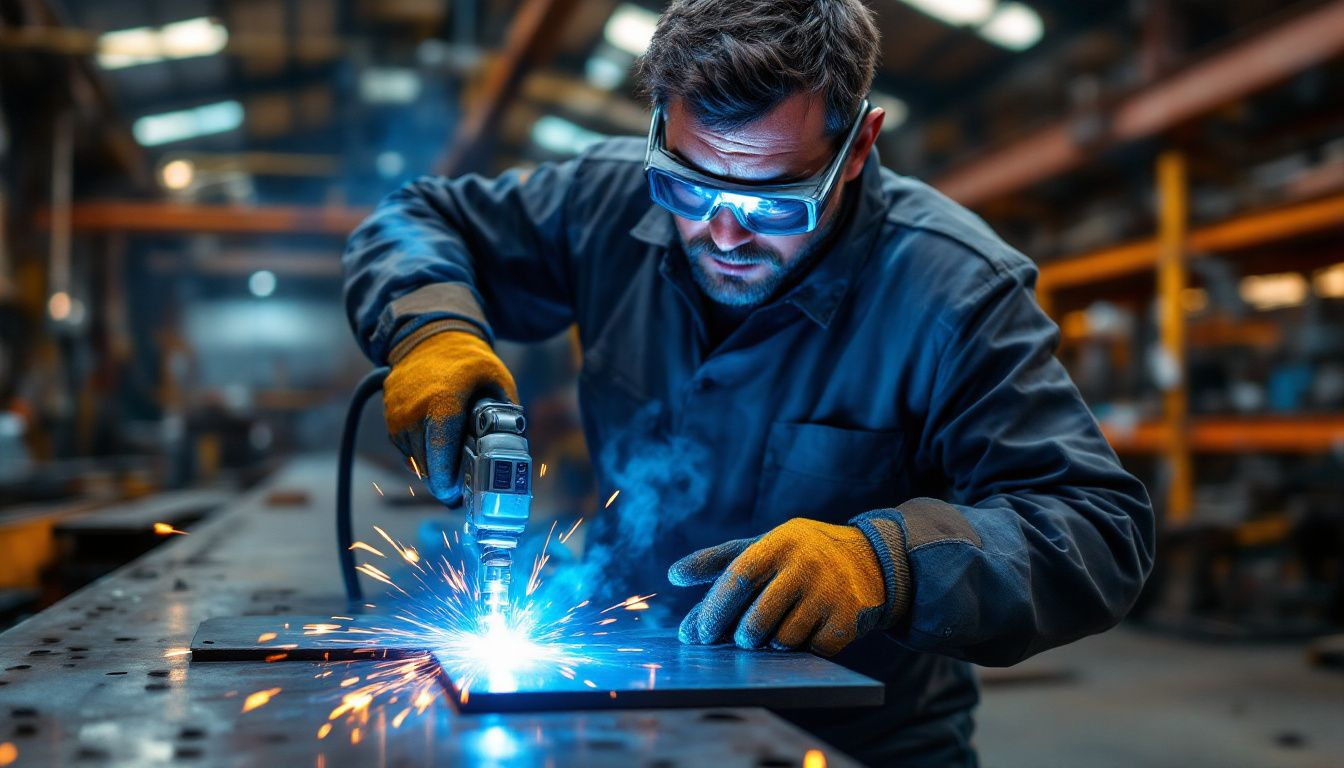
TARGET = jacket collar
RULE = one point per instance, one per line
(821, 292)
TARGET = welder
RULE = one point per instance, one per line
(900, 473)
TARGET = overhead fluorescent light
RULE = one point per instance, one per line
(606, 69)
(1329, 282)
(558, 135)
(958, 13)
(389, 85)
(1265, 292)
(206, 120)
(146, 45)
(1013, 26)
(630, 28)
(897, 110)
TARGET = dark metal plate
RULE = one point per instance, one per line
(651, 668)
(629, 669)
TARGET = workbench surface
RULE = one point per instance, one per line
(101, 678)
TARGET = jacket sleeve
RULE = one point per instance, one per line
(487, 255)
(1044, 537)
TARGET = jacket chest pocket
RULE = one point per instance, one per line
(827, 473)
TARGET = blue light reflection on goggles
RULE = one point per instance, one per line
(766, 209)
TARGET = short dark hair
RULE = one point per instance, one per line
(732, 61)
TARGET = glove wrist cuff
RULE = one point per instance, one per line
(887, 538)
(413, 339)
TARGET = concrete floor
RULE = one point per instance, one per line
(1136, 698)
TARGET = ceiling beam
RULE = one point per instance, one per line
(190, 219)
(1236, 72)
(529, 43)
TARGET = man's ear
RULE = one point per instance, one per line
(863, 143)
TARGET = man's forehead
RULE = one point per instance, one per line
(787, 142)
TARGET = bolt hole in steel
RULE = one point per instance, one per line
(188, 753)
(156, 687)
(722, 717)
(18, 667)
(25, 729)
(125, 639)
(158, 673)
(51, 640)
(111, 674)
(191, 734)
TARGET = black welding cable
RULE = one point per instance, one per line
(345, 535)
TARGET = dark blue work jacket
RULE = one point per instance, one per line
(911, 361)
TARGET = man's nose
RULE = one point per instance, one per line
(726, 232)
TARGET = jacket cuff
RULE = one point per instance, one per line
(408, 315)
(885, 534)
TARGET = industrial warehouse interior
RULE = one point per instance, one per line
(1046, 459)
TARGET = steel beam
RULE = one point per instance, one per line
(169, 218)
(1236, 72)
(530, 42)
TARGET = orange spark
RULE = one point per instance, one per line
(379, 490)
(164, 529)
(171, 652)
(366, 548)
(416, 467)
(8, 753)
(324, 730)
(590, 683)
(814, 758)
(613, 498)
(412, 490)
(605, 622)
(571, 530)
(464, 696)
(274, 657)
(629, 601)
(265, 637)
(639, 606)
(344, 618)
(355, 736)
(258, 699)
(349, 681)
(543, 470)
(410, 555)
(612, 694)
(401, 717)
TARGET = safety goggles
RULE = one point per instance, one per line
(766, 209)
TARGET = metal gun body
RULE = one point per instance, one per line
(497, 491)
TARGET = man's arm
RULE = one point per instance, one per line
(1045, 538)
(485, 255)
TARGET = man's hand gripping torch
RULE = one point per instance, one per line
(497, 491)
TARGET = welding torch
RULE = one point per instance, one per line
(497, 491)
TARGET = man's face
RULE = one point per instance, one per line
(733, 265)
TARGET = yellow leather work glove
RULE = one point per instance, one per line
(805, 584)
(427, 400)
